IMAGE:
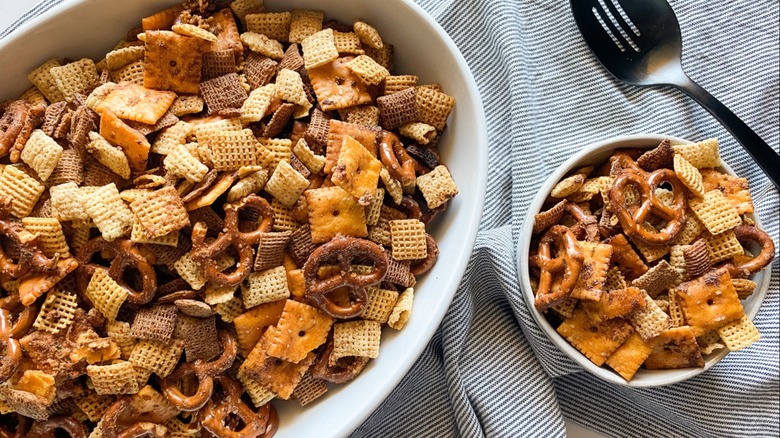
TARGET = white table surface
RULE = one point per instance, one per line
(11, 10)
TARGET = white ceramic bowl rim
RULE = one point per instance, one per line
(643, 378)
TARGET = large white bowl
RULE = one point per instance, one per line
(79, 28)
(595, 154)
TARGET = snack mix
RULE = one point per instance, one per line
(643, 260)
(223, 211)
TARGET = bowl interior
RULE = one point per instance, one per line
(90, 28)
(595, 154)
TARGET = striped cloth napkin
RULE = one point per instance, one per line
(489, 370)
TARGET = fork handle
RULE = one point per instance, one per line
(762, 153)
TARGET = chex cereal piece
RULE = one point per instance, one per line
(137, 103)
(93, 405)
(21, 188)
(105, 294)
(286, 184)
(312, 161)
(259, 70)
(660, 277)
(25, 403)
(182, 163)
(437, 186)
(301, 244)
(399, 108)
(408, 239)
(368, 34)
(214, 295)
(627, 359)
(709, 342)
(274, 25)
(744, 287)
(394, 84)
(614, 304)
(203, 131)
(374, 210)
(434, 107)
(51, 239)
(200, 337)
(242, 8)
(57, 311)
(300, 330)
(660, 157)
(691, 231)
(67, 202)
(723, 246)
(231, 150)
(356, 338)
(161, 212)
(159, 357)
(120, 57)
(280, 376)
(549, 217)
(675, 309)
(697, 259)
(252, 183)
(256, 105)
(139, 235)
(109, 155)
(34, 96)
(715, 212)
(289, 87)
(258, 394)
(615, 280)
(709, 302)
(172, 62)
(270, 251)
(191, 271)
(591, 188)
(69, 169)
(565, 308)
(367, 70)
(380, 233)
(154, 323)
(171, 137)
(593, 274)
(263, 45)
(193, 31)
(292, 59)
(650, 320)
(222, 92)
(319, 49)
(265, 287)
(675, 348)
(318, 130)
(736, 190)
(119, 332)
(336, 87)
(78, 77)
(650, 253)
(702, 154)
(381, 303)
(283, 221)
(739, 334)
(366, 115)
(596, 341)
(41, 153)
(347, 42)
(133, 73)
(304, 23)
(402, 309)
(421, 133)
(309, 389)
(333, 211)
(117, 378)
(279, 120)
(42, 78)
(689, 175)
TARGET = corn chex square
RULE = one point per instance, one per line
(319, 49)
(118, 378)
(723, 246)
(650, 320)
(22, 189)
(381, 303)
(41, 153)
(304, 23)
(161, 212)
(408, 239)
(736, 190)
(105, 294)
(434, 107)
(301, 329)
(689, 175)
(57, 311)
(51, 239)
(312, 161)
(356, 338)
(347, 43)
(42, 78)
(191, 271)
(67, 203)
(159, 357)
(78, 77)
(715, 212)
(258, 394)
(394, 84)
(93, 405)
(119, 332)
(286, 184)
(368, 34)
(265, 287)
(702, 154)
(231, 150)
(272, 151)
(111, 215)
(262, 45)
(739, 334)
(437, 186)
(274, 25)
(283, 221)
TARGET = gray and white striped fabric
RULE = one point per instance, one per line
(489, 370)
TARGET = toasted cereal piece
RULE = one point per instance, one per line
(650, 253)
(119, 332)
(723, 246)
(312, 161)
(161, 212)
(392, 186)
(259, 395)
(274, 25)
(280, 376)
(42, 78)
(627, 359)
(565, 308)
(336, 87)
(408, 239)
(172, 62)
(381, 303)
(304, 23)
(734, 189)
(120, 57)
(402, 309)
(375, 208)
(650, 320)
(300, 330)
(24, 403)
(191, 271)
(201, 341)
(568, 186)
(367, 70)
(347, 43)
(159, 357)
(368, 34)
(181, 162)
(109, 155)
(39, 383)
(175, 428)
(309, 389)
(78, 77)
(591, 188)
(242, 8)
(193, 31)
(319, 49)
(691, 231)
(357, 171)
(256, 105)
(263, 45)
(660, 157)
(252, 183)
(34, 96)
(283, 221)
(709, 342)
(596, 341)
(133, 73)
(614, 304)
(689, 175)
(380, 233)
(615, 280)
(709, 302)
(279, 120)
(154, 323)
(675, 309)
(214, 295)
(117, 378)
(660, 277)
(133, 143)
(549, 217)
(399, 108)
(743, 287)
(57, 311)
(697, 259)
(98, 95)
(593, 274)
(93, 405)
(105, 294)
(69, 169)
(222, 93)
(702, 154)
(259, 70)
(437, 186)
(395, 84)
(356, 338)
(220, 186)
(171, 137)
(51, 239)
(333, 211)
(135, 102)
(739, 334)
(187, 104)
(265, 287)
(270, 252)
(203, 130)
(231, 150)
(434, 107)
(675, 348)
(67, 202)
(111, 215)
(368, 115)
(41, 153)
(286, 184)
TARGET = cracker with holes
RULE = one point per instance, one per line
(675, 348)
(596, 341)
(593, 274)
(172, 62)
(135, 102)
(333, 211)
(614, 304)
(161, 212)
(280, 376)
(356, 171)
(709, 302)
(337, 87)
(300, 330)
(630, 356)
(251, 324)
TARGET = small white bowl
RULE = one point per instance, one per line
(595, 154)
(79, 28)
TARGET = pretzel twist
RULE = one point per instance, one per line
(344, 251)
(214, 416)
(19, 119)
(569, 259)
(586, 222)
(419, 267)
(22, 428)
(124, 254)
(27, 315)
(397, 161)
(347, 368)
(747, 233)
(47, 428)
(31, 258)
(13, 350)
(265, 210)
(122, 420)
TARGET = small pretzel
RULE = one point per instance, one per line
(22, 428)
(399, 163)
(344, 250)
(265, 210)
(568, 259)
(345, 370)
(586, 222)
(26, 318)
(419, 267)
(747, 233)
(122, 420)
(214, 416)
(30, 257)
(47, 428)
(412, 207)
(17, 123)
(13, 350)
(123, 254)
(633, 217)
(204, 372)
